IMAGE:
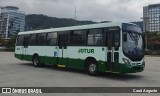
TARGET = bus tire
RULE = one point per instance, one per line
(92, 68)
(36, 61)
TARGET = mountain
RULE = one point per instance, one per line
(39, 21)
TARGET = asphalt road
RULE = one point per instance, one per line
(16, 73)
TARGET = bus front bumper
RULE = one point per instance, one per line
(131, 69)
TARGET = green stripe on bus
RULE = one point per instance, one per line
(79, 64)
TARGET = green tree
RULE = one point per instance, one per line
(11, 42)
(2, 42)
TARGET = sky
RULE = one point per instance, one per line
(95, 10)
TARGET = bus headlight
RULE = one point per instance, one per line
(126, 61)
(144, 60)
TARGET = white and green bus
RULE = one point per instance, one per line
(105, 47)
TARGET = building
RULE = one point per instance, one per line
(151, 18)
(11, 21)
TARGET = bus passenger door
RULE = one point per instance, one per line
(19, 47)
(25, 47)
(113, 44)
(62, 43)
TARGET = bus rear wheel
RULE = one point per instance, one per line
(36, 61)
(92, 68)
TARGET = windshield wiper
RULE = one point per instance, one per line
(134, 38)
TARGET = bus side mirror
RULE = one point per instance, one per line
(125, 37)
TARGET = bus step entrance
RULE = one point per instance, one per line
(60, 65)
(110, 65)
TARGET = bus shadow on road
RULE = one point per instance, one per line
(114, 76)
(122, 77)
(55, 67)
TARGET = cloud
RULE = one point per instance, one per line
(96, 10)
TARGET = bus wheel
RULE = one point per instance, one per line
(36, 61)
(92, 68)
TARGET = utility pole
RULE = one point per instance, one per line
(75, 23)
(159, 24)
(145, 20)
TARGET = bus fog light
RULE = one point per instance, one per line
(126, 61)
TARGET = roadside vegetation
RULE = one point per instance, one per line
(7, 44)
(153, 43)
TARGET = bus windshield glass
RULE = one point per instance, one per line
(132, 41)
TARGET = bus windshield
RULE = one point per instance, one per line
(133, 42)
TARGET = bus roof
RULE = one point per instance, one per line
(79, 27)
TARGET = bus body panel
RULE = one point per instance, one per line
(75, 56)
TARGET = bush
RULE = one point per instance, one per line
(11, 49)
(156, 53)
(150, 52)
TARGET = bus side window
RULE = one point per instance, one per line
(77, 37)
(110, 40)
(116, 39)
(26, 39)
(20, 40)
(51, 39)
(95, 37)
(41, 38)
(112, 37)
(63, 40)
(32, 40)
